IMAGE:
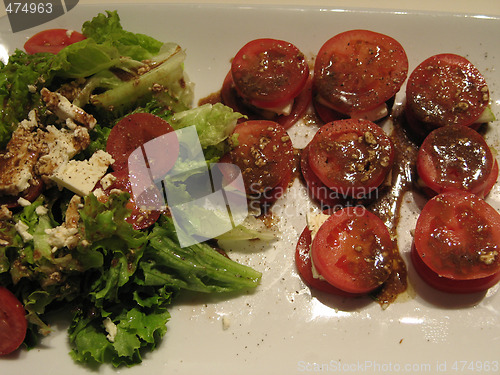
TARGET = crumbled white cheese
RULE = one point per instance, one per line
(111, 328)
(80, 176)
(23, 202)
(99, 193)
(22, 229)
(64, 109)
(5, 213)
(41, 210)
(31, 122)
(61, 145)
(107, 181)
(62, 236)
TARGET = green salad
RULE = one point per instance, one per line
(64, 251)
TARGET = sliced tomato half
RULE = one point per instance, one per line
(269, 73)
(264, 153)
(52, 40)
(352, 250)
(455, 157)
(358, 70)
(304, 266)
(457, 236)
(491, 181)
(13, 323)
(447, 285)
(300, 106)
(351, 157)
(132, 132)
(445, 89)
(325, 196)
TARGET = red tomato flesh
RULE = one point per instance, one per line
(458, 236)
(52, 40)
(13, 323)
(455, 157)
(358, 70)
(132, 132)
(447, 285)
(269, 72)
(491, 181)
(140, 218)
(445, 89)
(318, 191)
(351, 157)
(264, 153)
(352, 250)
(304, 266)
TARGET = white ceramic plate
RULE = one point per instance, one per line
(283, 327)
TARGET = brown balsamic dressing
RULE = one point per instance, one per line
(388, 204)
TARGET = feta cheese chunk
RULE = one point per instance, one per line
(64, 109)
(62, 236)
(80, 176)
(19, 160)
(22, 229)
(315, 221)
(58, 147)
(111, 328)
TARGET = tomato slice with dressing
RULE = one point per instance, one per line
(358, 70)
(351, 157)
(301, 103)
(13, 323)
(445, 89)
(132, 132)
(264, 153)
(352, 250)
(318, 191)
(455, 157)
(491, 181)
(52, 40)
(458, 236)
(304, 266)
(447, 285)
(269, 73)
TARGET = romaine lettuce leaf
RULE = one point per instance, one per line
(198, 267)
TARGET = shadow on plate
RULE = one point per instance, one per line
(342, 303)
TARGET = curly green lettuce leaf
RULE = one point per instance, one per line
(108, 233)
(107, 29)
(120, 333)
(20, 82)
(214, 122)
